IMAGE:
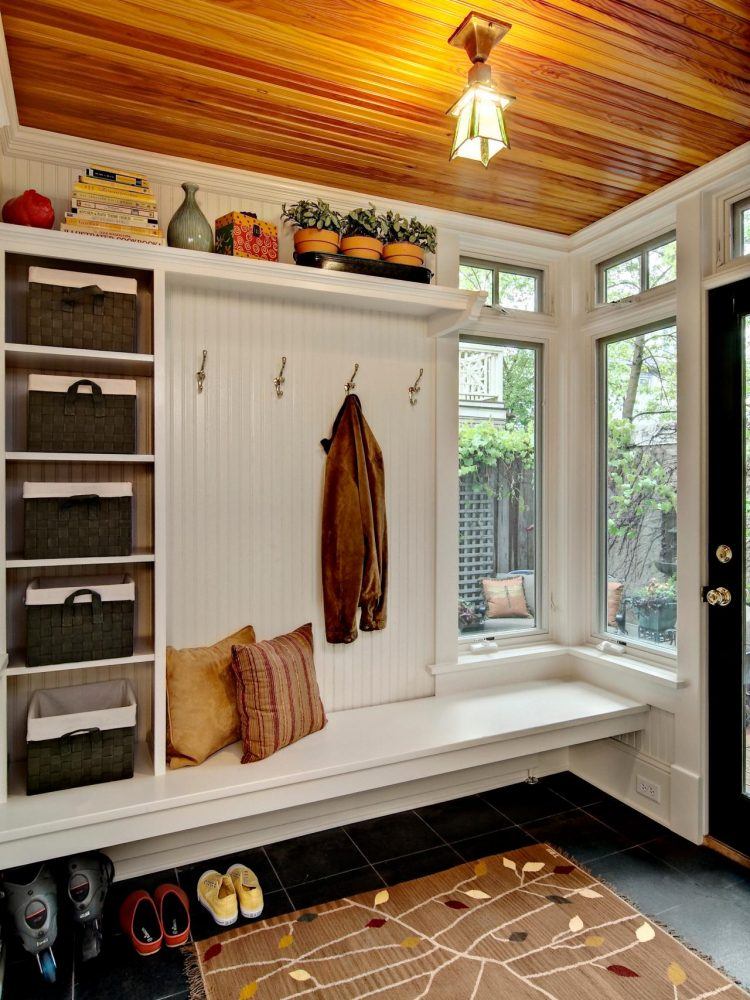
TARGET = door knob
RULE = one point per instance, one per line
(718, 597)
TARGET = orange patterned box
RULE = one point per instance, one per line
(243, 234)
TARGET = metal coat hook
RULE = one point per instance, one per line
(200, 375)
(351, 384)
(278, 382)
(415, 389)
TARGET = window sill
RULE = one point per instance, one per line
(499, 657)
(664, 676)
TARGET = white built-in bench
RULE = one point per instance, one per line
(360, 749)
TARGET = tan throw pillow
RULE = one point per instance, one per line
(614, 601)
(505, 598)
(202, 712)
(277, 693)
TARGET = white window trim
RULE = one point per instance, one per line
(639, 250)
(722, 228)
(493, 328)
(633, 650)
(512, 267)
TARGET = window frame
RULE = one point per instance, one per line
(644, 650)
(642, 251)
(540, 626)
(738, 209)
(500, 267)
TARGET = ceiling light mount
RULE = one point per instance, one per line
(478, 35)
(480, 127)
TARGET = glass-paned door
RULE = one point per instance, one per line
(728, 586)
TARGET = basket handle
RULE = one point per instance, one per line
(74, 295)
(67, 738)
(72, 394)
(96, 606)
(91, 500)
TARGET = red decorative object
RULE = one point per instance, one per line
(243, 234)
(622, 970)
(456, 904)
(30, 209)
(212, 952)
(375, 922)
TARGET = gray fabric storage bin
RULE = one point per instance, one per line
(72, 619)
(80, 735)
(77, 519)
(93, 312)
(69, 414)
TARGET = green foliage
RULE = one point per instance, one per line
(398, 229)
(364, 222)
(496, 455)
(313, 215)
(656, 592)
(639, 482)
(519, 370)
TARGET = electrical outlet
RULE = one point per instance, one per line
(648, 789)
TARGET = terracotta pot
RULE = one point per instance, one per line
(316, 241)
(362, 246)
(404, 253)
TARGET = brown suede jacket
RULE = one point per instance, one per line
(355, 536)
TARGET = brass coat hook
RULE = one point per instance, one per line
(200, 375)
(351, 384)
(279, 380)
(415, 389)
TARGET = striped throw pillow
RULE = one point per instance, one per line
(277, 693)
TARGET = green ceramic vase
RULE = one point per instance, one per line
(189, 228)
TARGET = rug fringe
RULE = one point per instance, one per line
(654, 920)
(193, 973)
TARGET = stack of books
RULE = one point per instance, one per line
(109, 203)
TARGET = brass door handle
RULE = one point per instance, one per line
(718, 597)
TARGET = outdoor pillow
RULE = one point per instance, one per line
(614, 601)
(201, 701)
(505, 598)
(277, 693)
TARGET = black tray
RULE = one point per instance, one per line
(358, 265)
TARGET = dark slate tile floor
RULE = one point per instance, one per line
(703, 897)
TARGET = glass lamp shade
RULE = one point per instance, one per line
(480, 128)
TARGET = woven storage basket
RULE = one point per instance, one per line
(81, 415)
(73, 619)
(77, 519)
(85, 311)
(80, 735)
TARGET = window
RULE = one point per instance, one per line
(741, 228)
(638, 491)
(637, 270)
(507, 286)
(499, 495)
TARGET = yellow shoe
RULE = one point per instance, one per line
(217, 894)
(249, 892)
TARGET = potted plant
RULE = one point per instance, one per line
(362, 232)
(317, 226)
(656, 608)
(406, 240)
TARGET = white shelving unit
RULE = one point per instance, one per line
(35, 820)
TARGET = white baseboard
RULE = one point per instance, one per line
(613, 767)
(190, 846)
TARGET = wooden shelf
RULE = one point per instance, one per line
(143, 653)
(68, 359)
(68, 456)
(18, 562)
(444, 309)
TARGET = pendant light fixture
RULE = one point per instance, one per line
(480, 127)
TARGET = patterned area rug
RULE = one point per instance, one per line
(528, 925)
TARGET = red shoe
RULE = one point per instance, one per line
(174, 914)
(139, 919)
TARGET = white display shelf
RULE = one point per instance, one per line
(444, 309)
(68, 456)
(67, 359)
(143, 653)
(18, 562)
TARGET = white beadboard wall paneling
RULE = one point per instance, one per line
(656, 740)
(22, 686)
(256, 465)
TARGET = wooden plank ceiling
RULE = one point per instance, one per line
(614, 98)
